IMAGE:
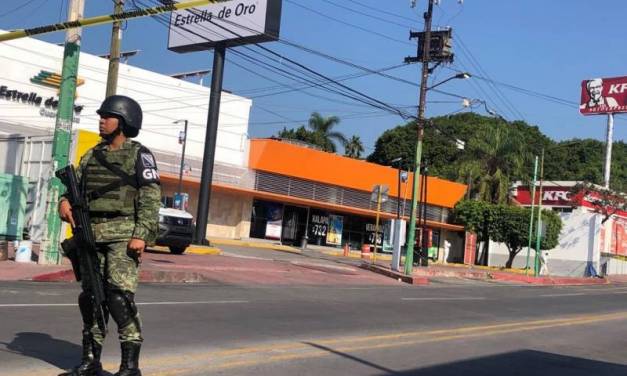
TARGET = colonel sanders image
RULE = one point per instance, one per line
(595, 93)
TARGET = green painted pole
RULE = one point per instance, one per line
(533, 202)
(409, 254)
(62, 135)
(536, 266)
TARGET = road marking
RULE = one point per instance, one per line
(143, 303)
(200, 302)
(301, 350)
(444, 298)
(202, 362)
(558, 295)
(38, 305)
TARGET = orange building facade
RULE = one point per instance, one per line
(290, 193)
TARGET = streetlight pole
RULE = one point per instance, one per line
(182, 156)
(426, 47)
(420, 120)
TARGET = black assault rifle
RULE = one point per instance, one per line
(83, 252)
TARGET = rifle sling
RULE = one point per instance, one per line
(125, 179)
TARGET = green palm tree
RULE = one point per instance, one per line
(323, 126)
(495, 157)
(353, 147)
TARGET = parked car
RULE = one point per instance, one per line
(176, 229)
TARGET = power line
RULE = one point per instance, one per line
(384, 11)
(349, 24)
(17, 8)
(343, 88)
(404, 26)
(499, 93)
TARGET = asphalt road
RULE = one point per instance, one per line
(472, 328)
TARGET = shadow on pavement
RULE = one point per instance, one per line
(517, 363)
(353, 358)
(57, 352)
(521, 363)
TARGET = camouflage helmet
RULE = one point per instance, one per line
(125, 108)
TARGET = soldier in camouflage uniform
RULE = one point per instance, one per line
(124, 220)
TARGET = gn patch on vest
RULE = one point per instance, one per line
(147, 168)
(150, 174)
(148, 161)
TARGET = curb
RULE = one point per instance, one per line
(258, 245)
(191, 249)
(412, 280)
(356, 255)
(573, 281)
(60, 276)
(511, 277)
(203, 250)
(146, 276)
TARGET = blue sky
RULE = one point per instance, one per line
(532, 46)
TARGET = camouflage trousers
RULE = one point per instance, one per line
(119, 271)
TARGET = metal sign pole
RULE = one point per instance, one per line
(608, 151)
(204, 196)
(376, 226)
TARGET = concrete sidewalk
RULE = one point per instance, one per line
(319, 265)
(162, 266)
(488, 274)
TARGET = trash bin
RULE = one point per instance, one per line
(4, 250)
(24, 252)
(365, 251)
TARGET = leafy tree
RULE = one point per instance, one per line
(604, 201)
(506, 224)
(353, 147)
(583, 160)
(302, 134)
(396, 142)
(320, 132)
(495, 155)
(564, 160)
(511, 227)
(323, 126)
(478, 217)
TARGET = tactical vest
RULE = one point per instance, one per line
(119, 201)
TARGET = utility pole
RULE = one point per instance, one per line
(184, 141)
(114, 51)
(426, 47)
(62, 134)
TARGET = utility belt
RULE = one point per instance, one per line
(104, 217)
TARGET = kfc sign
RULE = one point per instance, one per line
(555, 196)
(603, 96)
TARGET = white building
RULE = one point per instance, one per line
(28, 95)
(587, 244)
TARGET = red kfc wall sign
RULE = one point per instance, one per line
(603, 96)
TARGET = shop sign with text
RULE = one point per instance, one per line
(603, 96)
(232, 23)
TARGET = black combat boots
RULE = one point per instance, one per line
(90, 361)
(130, 359)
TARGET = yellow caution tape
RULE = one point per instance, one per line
(107, 19)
